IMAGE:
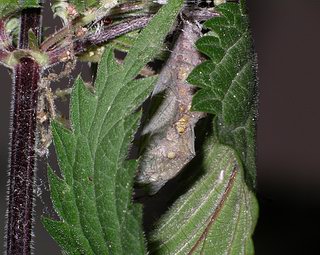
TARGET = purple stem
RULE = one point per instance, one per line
(110, 32)
(95, 39)
(22, 159)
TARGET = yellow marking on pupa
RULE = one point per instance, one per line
(182, 124)
(183, 73)
(171, 155)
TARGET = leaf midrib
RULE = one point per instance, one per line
(195, 233)
(212, 219)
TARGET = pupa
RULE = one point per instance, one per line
(171, 128)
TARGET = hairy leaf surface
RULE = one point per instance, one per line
(10, 6)
(217, 216)
(227, 82)
(93, 197)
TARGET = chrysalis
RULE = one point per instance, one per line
(171, 129)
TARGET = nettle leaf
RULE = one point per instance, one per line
(227, 78)
(8, 7)
(84, 4)
(217, 216)
(93, 197)
(227, 81)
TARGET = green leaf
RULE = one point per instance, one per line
(33, 41)
(89, 9)
(217, 216)
(68, 9)
(150, 42)
(243, 140)
(8, 7)
(81, 5)
(93, 199)
(30, 3)
(227, 81)
(124, 42)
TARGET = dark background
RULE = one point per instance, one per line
(287, 41)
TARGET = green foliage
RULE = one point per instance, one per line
(122, 43)
(227, 82)
(82, 5)
(8, 7)
(93, 197)
(89, 9)
(64, 9)
(30, 3)
(217, 216)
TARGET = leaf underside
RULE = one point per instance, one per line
(93, 197)
(218, 214)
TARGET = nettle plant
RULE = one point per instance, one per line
(134, 127)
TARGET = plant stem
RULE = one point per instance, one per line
(112, 32)
(80, 45)
(22, 159)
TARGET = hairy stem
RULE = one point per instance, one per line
(95, 39)
(22, 160)
(111, 32)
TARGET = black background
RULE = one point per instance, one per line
(287, 41)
